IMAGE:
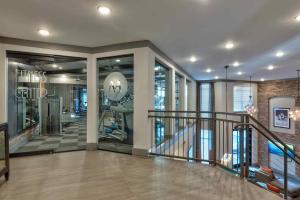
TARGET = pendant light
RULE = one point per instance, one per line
(249, 108)
(295, 112)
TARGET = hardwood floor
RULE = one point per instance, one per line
(104, 175)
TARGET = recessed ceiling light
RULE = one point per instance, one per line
(118, 60)
(216, 77)
(262, 79)
(193, 59)
(229, 45)
(103, 10)
(60, 68)
(208, 70)
(279, 54)
(239, 73)
(43, 32)
(270, 67)
(54, 66)
(63, 76)
(297, 18)
(236, 64)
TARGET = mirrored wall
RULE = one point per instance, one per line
(47, 103)
(116, 95)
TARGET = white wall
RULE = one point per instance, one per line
(3, 84)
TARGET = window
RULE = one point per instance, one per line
(188, 95)
(161, 87)
(205, 98)
(161, 101)
(240, 98)
(178, 93)
(178, 80)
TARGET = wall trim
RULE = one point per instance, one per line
(140, 152)
(44, 45)
(91, 146)
(93, 50)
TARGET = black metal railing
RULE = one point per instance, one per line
(4, 151)
(228, 140)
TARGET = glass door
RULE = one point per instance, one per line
(116, 94)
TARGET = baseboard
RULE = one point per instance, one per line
(140, 152)
(91, 146)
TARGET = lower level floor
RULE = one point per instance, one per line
(104, 175)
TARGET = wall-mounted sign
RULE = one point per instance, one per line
(115, 86)
(29, 92)
(32, 76)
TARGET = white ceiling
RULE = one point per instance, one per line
(180, 28)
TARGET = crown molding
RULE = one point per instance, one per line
(92, 50)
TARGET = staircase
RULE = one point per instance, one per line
(235, 142)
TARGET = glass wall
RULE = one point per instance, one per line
(205, 102)
(188, 95)
(116, 95)
(47, 103)
(161, 102)
(178, 97)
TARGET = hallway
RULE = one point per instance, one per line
(105, 175)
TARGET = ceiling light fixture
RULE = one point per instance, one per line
(193, 59)
(118, 60)
(270, 67)
(262, 79)
(239, 73)
(216, 77)
(60, 68)
(208, 70)
(279, 54)
(63, 76)
(297, 18)
(249, 108)
(54, 66)
(43, 32)
(229, 45)
(236, 64)
(103, 10)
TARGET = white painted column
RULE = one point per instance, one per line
(3, 85)
(92, 111)
(143, 100)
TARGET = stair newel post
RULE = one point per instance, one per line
(198, 135)
(214, 134)
(248, 150)
(285, 173)
(241, 136)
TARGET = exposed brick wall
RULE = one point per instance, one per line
(267, 90)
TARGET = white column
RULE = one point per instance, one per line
(92, 111)
(3, 85)
(143, 100)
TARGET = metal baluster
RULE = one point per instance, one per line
(285, 173)
(188, 139)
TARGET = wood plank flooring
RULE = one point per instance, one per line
(103, 175)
